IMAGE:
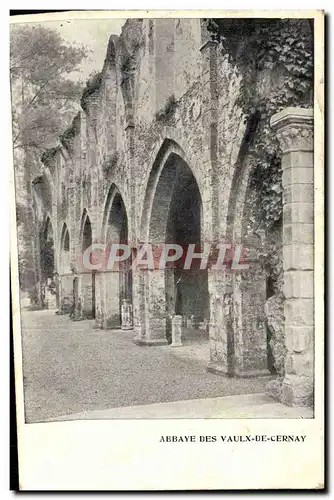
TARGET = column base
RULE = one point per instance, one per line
(78, 318)
(274, 389)
(297, 391)
(149, 342)
(111, 325)
(176, 344)
(218, 369)
(97, 326)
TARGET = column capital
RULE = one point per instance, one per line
(294, 128)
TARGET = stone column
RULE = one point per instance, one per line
(176, 331)
(87, 295)
(210, 162)
(112, 305)
(238, 337)
(138, 294)
(65, 292)
(154, 331)
(210, 126)
(99, 300)
(249, 344)
(220, 327)
(294, 128)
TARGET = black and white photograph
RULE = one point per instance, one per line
(165, 176)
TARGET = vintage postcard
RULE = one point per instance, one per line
(167, 249)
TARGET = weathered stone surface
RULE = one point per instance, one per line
(176, 331)
(127, 323)
(298, 391)
(298, 338)
(299, 284)
(297, 175)
(274, 311)
(295, 133)
(298, 212)
(298, 256)
(299, 312)
(298, 233)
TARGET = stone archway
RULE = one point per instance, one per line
(87, 276)
(173, 213)
(115, 282)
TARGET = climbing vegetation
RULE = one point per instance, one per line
(168, 110)
(110, 162)
(275, 60)
(68, 135)
(93, 84)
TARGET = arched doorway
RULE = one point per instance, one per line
(117, 279)
(47, 263)
(175, 216)
(88, 277)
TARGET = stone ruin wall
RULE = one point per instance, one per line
(165, 87)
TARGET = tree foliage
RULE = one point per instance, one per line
(43, 94)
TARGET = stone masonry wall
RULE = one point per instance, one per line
(166, 91)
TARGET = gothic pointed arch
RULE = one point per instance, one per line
(173, 212)
(118, 278)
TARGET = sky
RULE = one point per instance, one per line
(94, 34)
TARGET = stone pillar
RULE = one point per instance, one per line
(164, 58)
(294, 128)
(170, 300)
(112, 306)
(249, 351)
(154, 328)
(99, 300)
(77, 301)
(87, 295)
(217, 362)
(65, 293)
(220, 326)
(238, 337)
(176, 331)
(138, 296)
(210, 126)
(127, 322)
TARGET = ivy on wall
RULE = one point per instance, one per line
(109, 163)
(48, 155)
(275, 59)
(168, 110)
(127, 66)
(93, 84)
